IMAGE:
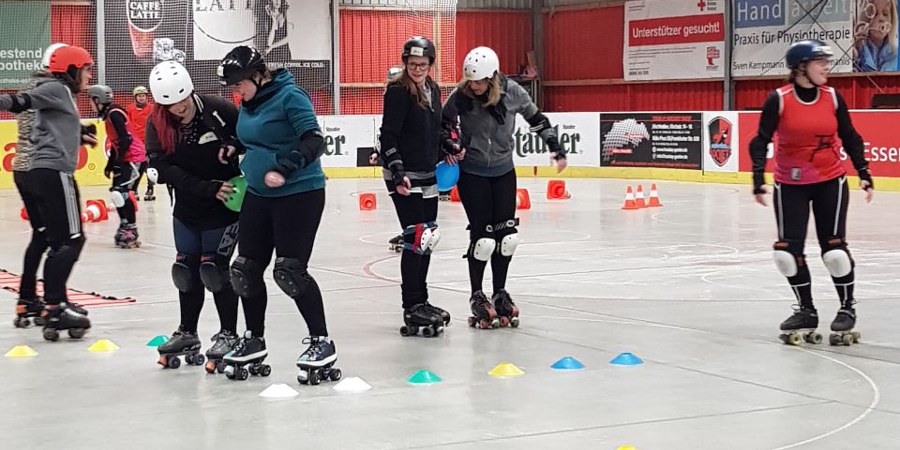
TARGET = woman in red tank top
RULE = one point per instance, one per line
(811, 122)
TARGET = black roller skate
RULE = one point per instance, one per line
(317, 361)
(249, 351)
(445, 316)
(801, 326)
(396, 243)
(182, 343)
(484, 315)
(224, 342)
(127, 236)
(842, 328)
(421, 316)
(149, 196)
(26, 309)
(62, 317)
(506, 309)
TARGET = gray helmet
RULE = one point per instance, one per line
(101, 94)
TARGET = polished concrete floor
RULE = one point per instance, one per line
(690, 288)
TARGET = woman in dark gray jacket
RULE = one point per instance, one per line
(484, 106)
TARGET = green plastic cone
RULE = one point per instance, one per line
(424, 377)
(157, 341)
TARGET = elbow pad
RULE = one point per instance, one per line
(20, 106)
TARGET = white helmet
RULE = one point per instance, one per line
(480, 63)
(45, 60)
(170, 83)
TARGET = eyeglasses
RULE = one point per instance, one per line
(421, 66)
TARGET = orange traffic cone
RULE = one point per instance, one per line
(629, 200)
(639, 197)
(101, 212)
(556, 190)
(523, 201)
(367, 201)
(653, 201)
(454, 194)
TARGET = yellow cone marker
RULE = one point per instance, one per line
(506, 370)
(627, 447)
(21, 351)
(103, 345)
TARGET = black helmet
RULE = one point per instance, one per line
(418, 46)
(808, 50)
(241, 63)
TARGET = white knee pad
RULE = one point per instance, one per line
(838, 262)
(508, 244)
(785, 262)
(117, 198)
(430, 238)
(153, 175)
(484, 248)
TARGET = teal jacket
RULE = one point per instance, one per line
(270, 125)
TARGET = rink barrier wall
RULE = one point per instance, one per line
(693, 146)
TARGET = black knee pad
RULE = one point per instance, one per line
(184, 273)
(247, 277)
(291, 276)
(69, 251)
(214, 273)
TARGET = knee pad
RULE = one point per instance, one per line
(508, 236)
(788, 256)
(247, 277)
(837, 258)
(421, 238)
(118, 198)
(152, 175)
(482, 248)
(214, 274)
(184, 273)
(69, 251)
(508, 244)
(291, 276)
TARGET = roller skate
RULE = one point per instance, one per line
(443, 196)
(396, 243)
(148, 195)
(127, 236)
(62, 317)
(26, 309)
(182, 343)
(842, 328)
(445, 316)
(420, 315)
(484, 315)
(801, 326)
(317, 361)
(506, 309)
(250, 352)
(224, 342)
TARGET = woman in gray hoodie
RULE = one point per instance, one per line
(484, 107)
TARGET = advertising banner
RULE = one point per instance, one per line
(23, 39)
(664, 139)
(578, 134)
(721, 141)
(344, 137)
(667, 40)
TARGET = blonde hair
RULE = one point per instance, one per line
(495, 90)
(404, 79)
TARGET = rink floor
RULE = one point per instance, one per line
(690, 288)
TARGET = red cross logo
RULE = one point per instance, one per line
(701, 4)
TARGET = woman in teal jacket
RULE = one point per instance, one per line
(281, 211)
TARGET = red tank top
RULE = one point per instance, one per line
(137, 152)
(807, 149)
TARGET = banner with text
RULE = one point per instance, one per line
(665, 139)
(578, 134)
(23, 39)
(667, 40)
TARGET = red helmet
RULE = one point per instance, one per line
(64, 57)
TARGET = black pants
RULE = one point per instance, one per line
(412, 210)
(488, 201)
(123, 184)
(289, 226)
(195, 246)
(38, 244)
(54, 208)
(142, 169)
(829, 200)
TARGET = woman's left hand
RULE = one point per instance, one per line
(870, 191)
(561, 163)
(274, 179)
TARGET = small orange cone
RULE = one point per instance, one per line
(23, 213)
(629, 200)
(556, 190)
(101, 213)
(454, 194)
(653, 201)
(367, 201)
(639, 197)
(523, 201)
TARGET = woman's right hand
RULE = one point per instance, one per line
(403, 189)
(274, 179)
(225, 191)
(760, 196)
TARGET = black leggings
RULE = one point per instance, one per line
(38, 244)
(288, 225)
(54, 206)
(195, 246)
(412, 210)
(829, 201)
(488, 201)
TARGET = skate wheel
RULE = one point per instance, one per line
(189, 359)
(265, 370)
(254, 371)
(834, 339)
(404, 331)
(51, 334)
(514, 322)
(472, 321)
(813, 338)
(795, 339)
(303, 377)
(22, 322)
(220, 366)
(504, 321)
(427, 332)
(856, 337)
(199, 360)
(174, 362)
(335, 375)
(847, 339)
(314, 378)
(243, 374)
(210, 366)
(229, 372)
(76, 333)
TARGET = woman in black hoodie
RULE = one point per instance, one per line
(410, 145)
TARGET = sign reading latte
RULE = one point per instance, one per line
(143, 19)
